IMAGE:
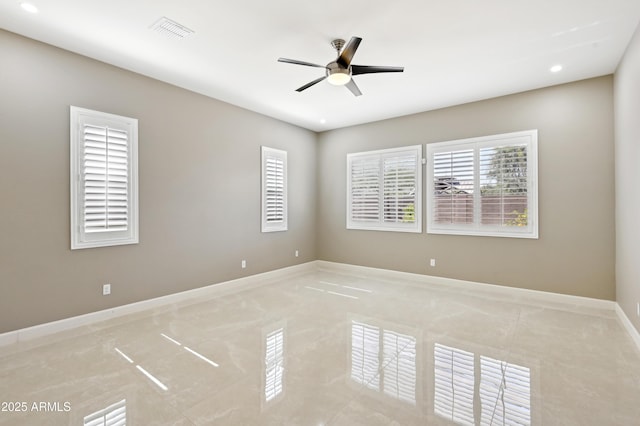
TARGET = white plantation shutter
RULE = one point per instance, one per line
(484, 186)
(453, 186)
(365, 189)
(106, 179)
(103, 179)
(113, 415)
(274, 190)
(503, 171)
(400, 174)
(384, 189)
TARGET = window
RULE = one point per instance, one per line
(484, 186)
(384, 190)
(274, 190)
(104, 179)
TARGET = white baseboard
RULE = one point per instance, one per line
(516, 293)
(626, 323)
(45, 329)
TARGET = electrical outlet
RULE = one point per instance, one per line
(297, 253)
(243, 264)
(433, 262)
(106, 289)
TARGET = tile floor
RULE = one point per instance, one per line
(330, 348)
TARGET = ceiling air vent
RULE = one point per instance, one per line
(171, 29)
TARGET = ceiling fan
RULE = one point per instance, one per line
(340, 71)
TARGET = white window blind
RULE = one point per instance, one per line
(113, 415)
(484, 186)
(384, 189)
(103, 179)
(274, 190)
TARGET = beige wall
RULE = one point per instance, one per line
(199, 188)
(575, 252)
(627, 146)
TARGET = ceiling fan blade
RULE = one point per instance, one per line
(369, 69)
(353, 87)
(349, 50)
(296, 62)
(306, 86)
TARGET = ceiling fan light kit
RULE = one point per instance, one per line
(338, 76)
(340, 71)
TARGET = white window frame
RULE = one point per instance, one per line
(282, 223)
(380, 224)
(528, 137)
(79, 118)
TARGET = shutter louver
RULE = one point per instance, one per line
(105, 170)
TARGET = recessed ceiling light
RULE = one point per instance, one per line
(28, 7)
(556, 68)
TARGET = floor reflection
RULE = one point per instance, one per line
(505, 393)
(454, 384)
(499, 395)
(384, 360)
(284, 354)
(113, 415)
(274, 365)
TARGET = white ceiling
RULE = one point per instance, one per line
(453, 51)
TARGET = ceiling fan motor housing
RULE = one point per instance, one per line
(337, 74)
